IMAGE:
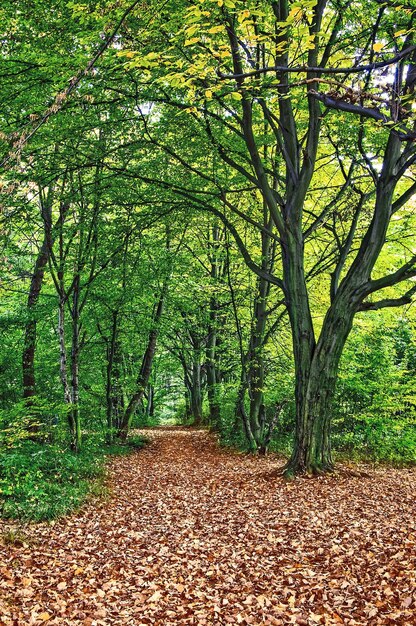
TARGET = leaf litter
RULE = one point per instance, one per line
(194, 534)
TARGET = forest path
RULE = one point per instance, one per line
(193, 534)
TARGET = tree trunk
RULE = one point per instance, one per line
(253, 374)
(312, 449)
(145, 370)
(316, 364)
(150, 405)
(303, 339)
(74, 417)
(212, 369)
(240, 415)
(63, 371)
(196, 390)
(29, 342)
(188, 386)
(113, 391)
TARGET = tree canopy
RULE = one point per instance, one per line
(208, 216)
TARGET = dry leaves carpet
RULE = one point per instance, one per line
(197, 535)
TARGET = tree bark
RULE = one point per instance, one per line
(196, 389)
(63, 370)
(29, 342)
(145, 370)
(114, 391)
(312, 449)
(316, 364)
(74, 417)
(211, 364)
(253, 373)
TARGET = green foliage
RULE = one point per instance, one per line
(152, 151)
(375, 408)
(136, 442)
(40, 482)
(22, 421)
(380, 439)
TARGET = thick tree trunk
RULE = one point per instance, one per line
(316, 365)
(312, 449)
(303, 338)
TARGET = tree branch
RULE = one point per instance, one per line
(322, 70)
(389, 302)
(341, 105)
(408, 270)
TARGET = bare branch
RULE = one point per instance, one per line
(408, 270)
(322, 70)
(405, 197)
(389, 302)
(405, 134)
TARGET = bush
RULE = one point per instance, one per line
(44, 481)
(41, 420)
(379, 439)
(375, 408)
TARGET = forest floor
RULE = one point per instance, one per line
(194, 534)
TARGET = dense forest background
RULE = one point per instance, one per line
(208, 218)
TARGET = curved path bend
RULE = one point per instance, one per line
(193, 534)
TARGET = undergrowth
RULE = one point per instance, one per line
(41, 481)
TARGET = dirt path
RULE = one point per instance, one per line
(196, 535)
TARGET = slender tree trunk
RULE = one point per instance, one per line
(74, 417)
(256, 364)
(212, 370)
(113, 391)
(187, 382)
(253, 374)
(196, 389)
(150, 406)
(63, 371)
(29, 342)
(240, 415)
(145, 370)
(252, 379)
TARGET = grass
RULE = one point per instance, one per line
(41, 482)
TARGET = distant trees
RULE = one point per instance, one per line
(256, 105)
(284, 130)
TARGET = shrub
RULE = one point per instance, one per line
(43, 481)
